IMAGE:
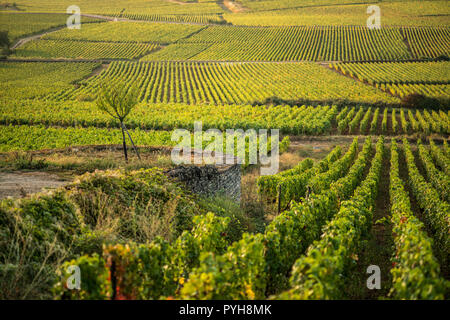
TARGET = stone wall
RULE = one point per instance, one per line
(210, 180)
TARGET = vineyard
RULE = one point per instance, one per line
(304, 120)
(237, 83)
(333, 12)
(20, 25)
(359, 180)
(33, 80)
(127, 32)
(84, 50)
(285, 261)
(299, 43)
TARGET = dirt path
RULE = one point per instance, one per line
(378, 249)
(20, 184)
(22, 41)
(177, 2)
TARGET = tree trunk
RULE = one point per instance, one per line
(132, 143)
(124, 144)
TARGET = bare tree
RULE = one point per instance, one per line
(118, 101)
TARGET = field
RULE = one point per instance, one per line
(91, 120)
(20, 25)
(395, 13)
(215, 83)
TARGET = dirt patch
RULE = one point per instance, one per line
(20, 184)
(233, 6)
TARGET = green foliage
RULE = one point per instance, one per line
(364, 125)
(117, 100)
(130, 200)
(436, 211)
(294, 187)
(318, 275)
(36, 234)
(290, 233)
(237, 274)
(141, 271)
(268, 185)
(82, 49)
(441, 156)
(338, 169)
(344, 187)
(439, 180)
(384, 121)
(94, 276)
(354, 123)
(405, 124)
(374, 123)
(5, 42)
(415, 271)
(394, 121)
(284, 144)
(289, 119)
(343, 124)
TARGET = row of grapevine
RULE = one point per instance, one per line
(354, 124)
(439, 179)
(290, 120)
(441, 158)
(431, 90)
(374, 123)
(317, 179)
(317, 275)
(285, 187)
(343, 124)
(181, 18)
(437, 211)
(83, 49)
(364, 125)
(425, 121)
(291, 232)
(415, 272)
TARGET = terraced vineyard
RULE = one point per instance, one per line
(215, 83)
